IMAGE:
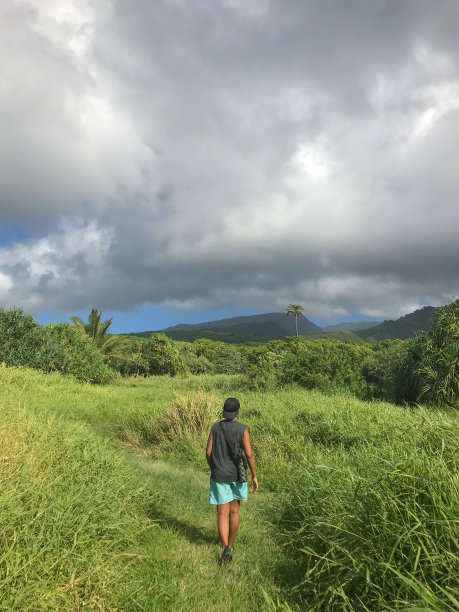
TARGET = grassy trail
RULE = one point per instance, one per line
(104, 500)
(184, 548)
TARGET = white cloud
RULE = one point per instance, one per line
(56, 268)
(5, 285)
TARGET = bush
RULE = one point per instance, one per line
(83, 360)
(194, 363)
(132, 361)
(439, 365)
(229, 359)
(25, 343)
(428, 369)
(381, 368)
(261, 374)
(405, 383)
(225, 358)
(161, 356)
(323, 364)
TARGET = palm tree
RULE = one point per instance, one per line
(109, 345)
(295, 310)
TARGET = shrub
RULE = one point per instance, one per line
(380, 369)
(225, 358)
(131, 361)
(161, 356)
(25, 343)
(83, 360)
(326, 363)
(439, 364)
(262, 373)
(405, 383)
(194, 363)
(229, 359)
(428, 369)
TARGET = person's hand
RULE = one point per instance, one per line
(255, 484)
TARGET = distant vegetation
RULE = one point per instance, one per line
(424, 368)
(401, 329)
(349, 326)
(275, 326)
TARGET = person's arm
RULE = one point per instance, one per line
(209, 448)
(250, 459)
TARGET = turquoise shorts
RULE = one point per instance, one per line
(224, 492)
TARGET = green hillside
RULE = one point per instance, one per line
(351, 326)
(276, 326)
(403, 328)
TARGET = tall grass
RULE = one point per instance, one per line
(189, 415)
(71, 515)
(363, 496)
(376, 529)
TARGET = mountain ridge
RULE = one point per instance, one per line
(276, 325)
(349, 326)
(403, 328)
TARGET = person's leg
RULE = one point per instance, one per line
(223, 511)
(233, 521)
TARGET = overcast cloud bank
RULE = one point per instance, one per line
(230, 154)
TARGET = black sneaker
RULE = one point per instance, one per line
(226, 556)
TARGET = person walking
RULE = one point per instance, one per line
(226, 438)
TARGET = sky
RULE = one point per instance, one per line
(175, 161)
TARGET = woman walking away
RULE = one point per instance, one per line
(227, 486)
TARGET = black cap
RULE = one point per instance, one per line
(230, 408)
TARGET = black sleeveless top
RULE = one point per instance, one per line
(222, 465)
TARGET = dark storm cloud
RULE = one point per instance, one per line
(201, 155)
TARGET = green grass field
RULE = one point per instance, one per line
(104, 500)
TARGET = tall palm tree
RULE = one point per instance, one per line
(295, 310)
(109, 345)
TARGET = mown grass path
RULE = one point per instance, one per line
(183, 548)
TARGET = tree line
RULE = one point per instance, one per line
(423, 369)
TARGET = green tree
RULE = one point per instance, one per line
(295, 310)
(111, 346)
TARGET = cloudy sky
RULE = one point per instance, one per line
(173, 161)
